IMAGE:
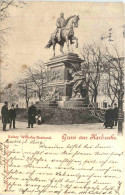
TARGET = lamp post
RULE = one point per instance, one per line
(120, 112)
(120, 105)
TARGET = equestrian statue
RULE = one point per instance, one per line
(64, 32)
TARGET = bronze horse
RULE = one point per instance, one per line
(67, 34)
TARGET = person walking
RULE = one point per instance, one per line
(109, 122)
(12, 116)
(39, 117)
(32, 112)
(5, 115)
(115, 114)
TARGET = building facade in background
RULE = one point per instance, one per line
(27, 90)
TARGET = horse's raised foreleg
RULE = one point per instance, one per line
(75, 38)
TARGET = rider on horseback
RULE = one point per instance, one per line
(60, 23)
(64, 32)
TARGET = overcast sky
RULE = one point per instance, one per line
(32, 26)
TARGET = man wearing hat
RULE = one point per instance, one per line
(5, 115)
(115, 114)
(32, 112)
(12, 116)
(109, 117)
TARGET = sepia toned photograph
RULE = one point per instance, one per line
(62, 66)
(61, 98)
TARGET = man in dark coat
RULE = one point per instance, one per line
(109, 122)
(32, 111)
(12, 116)
(5, 115)
(115, 114)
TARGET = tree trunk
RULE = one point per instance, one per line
(95, 95)
(92, 98)
(39, 94)
(27, 103)
(112, 103)
(39, 97)
(27, 99)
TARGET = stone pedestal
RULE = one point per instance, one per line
(46, 104)
(76, 103)
(59, 85)
(58, 73)
(65, 98)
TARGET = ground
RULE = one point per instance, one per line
(20, 126)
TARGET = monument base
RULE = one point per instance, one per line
(73, 103)
(59, 76)
(60, 82)
(46, 104)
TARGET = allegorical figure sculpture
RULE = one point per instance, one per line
(79, 87)
(64, 32)
(53, 94)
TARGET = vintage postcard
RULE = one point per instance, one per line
(62, 98)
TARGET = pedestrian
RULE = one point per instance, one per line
(12, 116)
(32, 112)
(109, 122)
(5, 115)
(115, 114)
(39, 117)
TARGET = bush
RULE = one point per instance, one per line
(58, 116)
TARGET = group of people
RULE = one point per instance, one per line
(9, 116)
(111, 116)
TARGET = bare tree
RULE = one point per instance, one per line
(10, 93)
(5, 6)
(25, 91)
(4, 89)
(92, 66)
(114, 67)
(112, 90)
(38, 76)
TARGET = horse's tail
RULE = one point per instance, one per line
(49, 44)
